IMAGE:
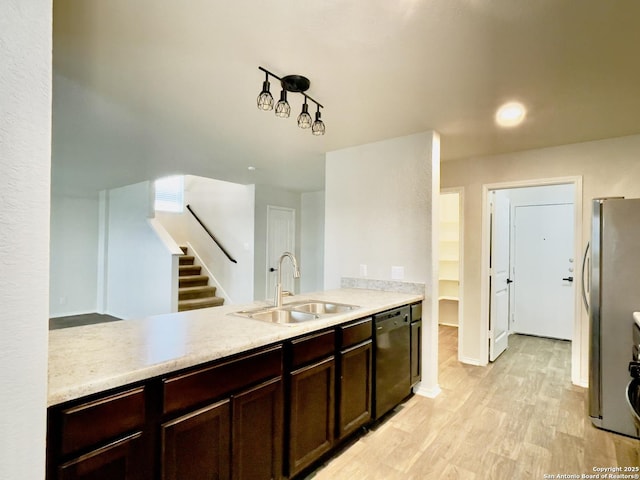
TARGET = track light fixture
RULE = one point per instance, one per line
(296, 84)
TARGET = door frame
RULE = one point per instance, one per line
(460, 192)
(577, 339)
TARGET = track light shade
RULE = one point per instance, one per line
(265, 100)
(283, 109)
(304, 119)
(318, 126)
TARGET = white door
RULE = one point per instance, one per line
(499, 274)
(544, 270)
(281, 237)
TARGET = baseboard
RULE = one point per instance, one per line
(472, 361)
(73, 314)
(423, 391)
(449, 324)
(582, 383)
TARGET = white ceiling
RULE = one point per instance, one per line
(143, 88)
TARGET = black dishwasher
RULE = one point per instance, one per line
(393, 350)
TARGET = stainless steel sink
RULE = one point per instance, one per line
(280, 316)
(296, 312)
(321, 308)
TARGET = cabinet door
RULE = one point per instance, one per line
(119, 460)
(354, 408)
(257, 432)
(416, 352)
(312, 413)
(197, 446)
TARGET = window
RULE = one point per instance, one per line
(170, 194)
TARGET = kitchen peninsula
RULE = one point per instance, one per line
(152, 389)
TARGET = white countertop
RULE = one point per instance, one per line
(89, 359)
(636, 317)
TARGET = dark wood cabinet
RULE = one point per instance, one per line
(311, 413)
(355, 367)
(220, 421)
(238, 437)
(416, 343)
(255, 416)
(354, 404)
(119, 460)
(257, 432)
(99, 438)
(197, 445)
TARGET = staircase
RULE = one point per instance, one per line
(193, 288)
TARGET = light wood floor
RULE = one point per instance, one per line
(519, 418)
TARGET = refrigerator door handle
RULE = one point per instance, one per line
(584, 283)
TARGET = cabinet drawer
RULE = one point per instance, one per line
(355, 333)
(120, 459)
(313, 347)
(214, 382)
(100, 420)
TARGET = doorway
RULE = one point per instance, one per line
(281, 237)
(450, 256)
(530, 247)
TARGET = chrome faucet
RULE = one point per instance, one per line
(296, 274)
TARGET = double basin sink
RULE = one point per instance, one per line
(296, 312)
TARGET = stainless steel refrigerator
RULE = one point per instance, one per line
(613, 278)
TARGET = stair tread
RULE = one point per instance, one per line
(198, 288)
(192, 280)
(193, 301)
(196, 303)
(196, 291)
(189, 267)
(186, 259)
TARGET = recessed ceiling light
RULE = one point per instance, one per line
(510, 114)
(251, 168)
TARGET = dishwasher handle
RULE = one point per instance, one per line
(392, 314)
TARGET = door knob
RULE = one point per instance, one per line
(568, 279)
(509, 281)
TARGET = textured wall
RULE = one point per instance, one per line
(380, 201)
(25, 139)
(608, 168)
(312, 242)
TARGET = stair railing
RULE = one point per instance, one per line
(211, 235)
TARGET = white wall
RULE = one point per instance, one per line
(25, 153)
(378, 210)
(227, 209)
(267, 195)
(608, 168)
(380, 201)
(140, 268)
(73, 249)
(312, 242)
